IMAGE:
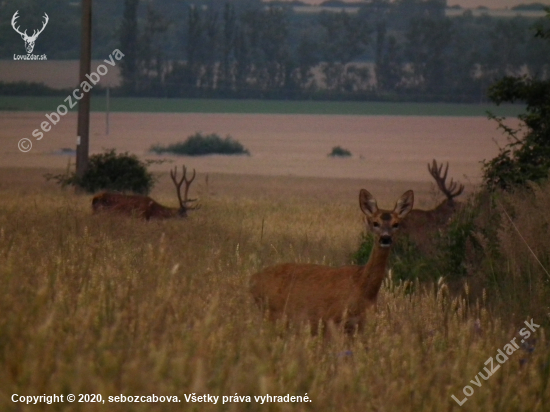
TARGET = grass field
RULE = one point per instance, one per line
(48, 104)
(108, 305)
(116, 306)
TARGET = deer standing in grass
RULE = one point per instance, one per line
(337, 296)
(422, 223)
(143, 206)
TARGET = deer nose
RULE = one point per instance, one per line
(385, 241)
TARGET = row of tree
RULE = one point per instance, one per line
(394, 50)
(388, 49)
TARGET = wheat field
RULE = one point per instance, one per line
(395, 148)
(113, 306)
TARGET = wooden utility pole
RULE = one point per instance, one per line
(107, 108)
(83, 128)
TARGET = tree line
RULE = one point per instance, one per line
(382, 49)
(405, 49)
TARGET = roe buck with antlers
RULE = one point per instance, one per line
(337, 296)
(420, 222)
(145, 207)
(29, 40)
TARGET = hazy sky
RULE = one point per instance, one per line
(492, 4)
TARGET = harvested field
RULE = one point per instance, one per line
(384, 147)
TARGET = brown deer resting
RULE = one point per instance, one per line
(143, 206)
(336, 296)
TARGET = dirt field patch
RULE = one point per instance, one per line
(384, 147)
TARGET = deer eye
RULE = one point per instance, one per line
(376, 224)
(395, 225)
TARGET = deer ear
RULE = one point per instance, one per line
(404, 204)
(367, 203)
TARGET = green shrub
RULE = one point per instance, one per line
(497, 244)
(361, 256)
(406, 262)
(199, 145)
(338, 151)
(121, 172)
(526, 157)
(457, 244)
(24, 88)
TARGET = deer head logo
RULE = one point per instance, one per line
(29, 40)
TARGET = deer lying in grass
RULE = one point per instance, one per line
(337, 296)
(419, 223)
(143, 206)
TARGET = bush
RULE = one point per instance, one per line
(338, 151)
(406, 262)
(497, 244)
(23, 88)
(526, 157)
(361, 256)
(110, 171)
(199, 145)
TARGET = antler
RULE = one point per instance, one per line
(173, 175)
(452, 191)
(37, 32)
(13, 22)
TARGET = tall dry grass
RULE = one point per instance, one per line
(112, 305)
(519, 272)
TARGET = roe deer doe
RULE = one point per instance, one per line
(338, 296)
(145, 207)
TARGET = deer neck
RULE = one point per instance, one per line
(374, 271)
(171, 211)
(444, 211)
